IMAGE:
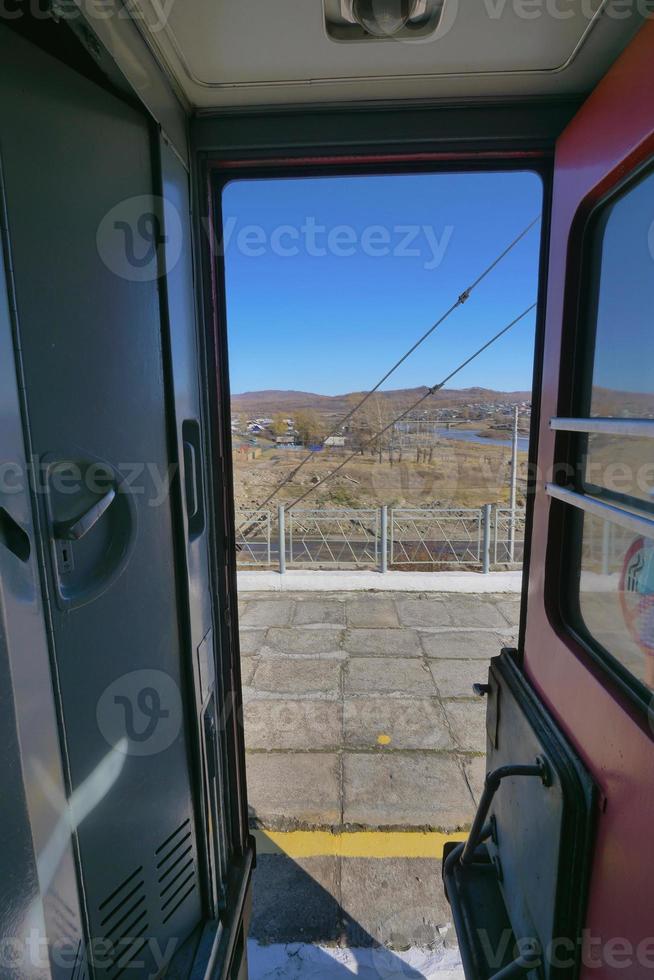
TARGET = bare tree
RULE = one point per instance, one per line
(369, 422)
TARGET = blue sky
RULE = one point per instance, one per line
(625, 339)
(330, 279)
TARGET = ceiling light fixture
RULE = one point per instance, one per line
(382, 20)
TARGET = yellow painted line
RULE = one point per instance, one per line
(355, 844)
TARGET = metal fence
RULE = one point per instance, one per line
(344, 537)
(426, 537)
(508, 536)
(254, 538)
(400, 538)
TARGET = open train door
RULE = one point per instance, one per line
(124, 834)
(556, 880)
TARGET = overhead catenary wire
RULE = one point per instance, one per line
(461, 299)
(428, 394)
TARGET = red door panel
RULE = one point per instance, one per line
(611, 136)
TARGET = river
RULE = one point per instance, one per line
(472, 435)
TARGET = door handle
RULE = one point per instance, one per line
(190, 467)
(92, 521)
(76, 529)
(192, 448)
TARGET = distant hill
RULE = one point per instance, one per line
(259, 403)
(626, 404)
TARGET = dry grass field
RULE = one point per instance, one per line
(461, 474)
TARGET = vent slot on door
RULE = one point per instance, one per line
(176, 872)
(148, 908)
(124, 922)
(80, 970)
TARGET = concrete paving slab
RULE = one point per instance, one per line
(479, 611)
(285, 724)
(463, 645)
(424, 612)
(371, 611)
(296, 900)
(319, 612)
(251, 641)
(395, 723)
(302, 678)
(467, 720)
(412, 789)
(386, 675)
(248, 692)
(382, 643)
(409, 907)
(304, 640)
(291, 789)
(454, 678)
(267, 612)
(510, 609)
(248, 667)
(474, 767)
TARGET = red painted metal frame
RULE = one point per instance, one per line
(379, 159)
(612, 134)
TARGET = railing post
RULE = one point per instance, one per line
(281, 517)
(606, 548)
(514, 485)
(384, 539)
(486, 521)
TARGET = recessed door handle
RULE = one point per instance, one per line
(76, 529)
(190, 469)
(192, 447)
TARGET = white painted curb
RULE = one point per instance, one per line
(319, 581)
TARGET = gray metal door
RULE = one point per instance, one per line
(84, 245)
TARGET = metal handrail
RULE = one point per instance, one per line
(605, 426)
(637, 523)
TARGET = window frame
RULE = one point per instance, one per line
(216, 170)
(572, 447)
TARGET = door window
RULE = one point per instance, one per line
(611, 593)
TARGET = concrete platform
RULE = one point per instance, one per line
(361, 724)
(359, 709)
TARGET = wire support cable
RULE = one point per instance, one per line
(461, 299)
(423, 398)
